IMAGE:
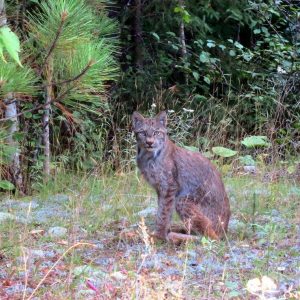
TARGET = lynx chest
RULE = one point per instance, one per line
(156, 172)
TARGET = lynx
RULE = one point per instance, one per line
(184, 180)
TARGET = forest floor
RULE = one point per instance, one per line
(88, 239)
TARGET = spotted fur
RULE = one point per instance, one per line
(184, 181)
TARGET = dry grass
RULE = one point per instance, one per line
(125, 263)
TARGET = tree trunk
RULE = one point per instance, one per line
(15, 165)
(3, 20)
(46, 119)
(182, 33)
(11, 113)
(182, 40)
(137, 35)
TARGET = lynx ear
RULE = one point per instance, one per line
(162, 118)
(137, 120)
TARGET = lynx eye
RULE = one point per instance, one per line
(157, 133)
(142, 133)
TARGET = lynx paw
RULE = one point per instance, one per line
(158, 235)
(178, 238)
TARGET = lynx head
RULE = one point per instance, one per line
(151, 133)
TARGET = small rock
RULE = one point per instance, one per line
(192, 254)
(168, 272)
(89, 271)
(254, 285)
(57, 232)
(30, 256)
(6, 217)
(250, 169)
(118, 276)
(236, 225)
(149, 211)
(17, 288)
(94, 198)
(104, 261)
(209, 265)
(49, 212)
(84, 294)
(60, 198)
(35, 253)
(193, 263)
(86, 270)
(266, 286)
(16, 204)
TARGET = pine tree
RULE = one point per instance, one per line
(14, 81)
(74, 56)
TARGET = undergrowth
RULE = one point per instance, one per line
(114, 257)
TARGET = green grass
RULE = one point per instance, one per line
(103, 211)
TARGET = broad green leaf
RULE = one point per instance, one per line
(196, 75)
(255, 141)
(6, 185)
(171, 33)
(224, 152)
(206, 79)
(199, 97)
(10, 41)
(207, 154)
(234, 294)
(1, 51)
(204, 56)
(232, 53)
(291, 169)
(186, 17)
(211, 44)
(247, 160)
(222, 47)
(232, 285)
(191, 148)
(287, 64)
(238, 45)
(175, 47)
(247, 56)
(154, 34)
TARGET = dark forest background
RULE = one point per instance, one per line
(225, 70)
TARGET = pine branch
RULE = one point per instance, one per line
(54, 43)
(75, 78)
(58, 98)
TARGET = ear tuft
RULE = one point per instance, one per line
(137, 120)
(162, 118)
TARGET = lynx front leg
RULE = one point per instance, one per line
(166, 202)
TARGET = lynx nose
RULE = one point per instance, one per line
(149, 142)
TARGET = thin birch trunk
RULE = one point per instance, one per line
(182, 34)
(137, 35)
(15, 165)
(11, 113)
(46, 119)
(3, 20)
(46, 134)
(182, 39)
